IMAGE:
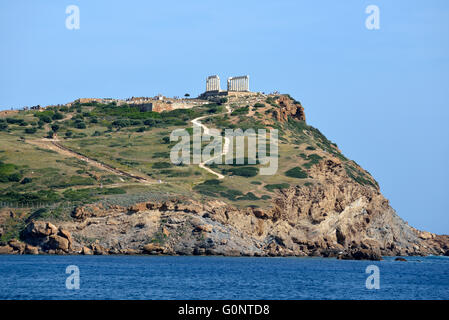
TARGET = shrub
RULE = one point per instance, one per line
(42, 196)
(248, 196)
(15, 177)
(163, 154)
(14, 121)
(166, 140)
(45, 119)
(215, 109)
(278, 186)
(244, 171)
(121, 123)
(222, 100)
(55, 127)
(7, 171)
(26, 180)
(80, 125)
(212, 182)
(161, 165)
(58, 116)
(296, 172)
(30, 130)
(149, 122)
(240, 111)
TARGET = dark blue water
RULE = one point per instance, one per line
(144, 277)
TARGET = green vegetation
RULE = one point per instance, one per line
(31, 130)
(296, 172)
(244, 171)
(359, 177)
(240, 111)
(277, 186)
(214, 188)
(11, 230)
(161, 165)
(38, 197)
(88, 195)
(9, 173)
(134, 140)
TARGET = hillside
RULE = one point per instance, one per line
(97, 178)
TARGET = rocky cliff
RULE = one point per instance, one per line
(334, 218)
(334, 208)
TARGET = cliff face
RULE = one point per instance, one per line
(289, 109)
(336, 217)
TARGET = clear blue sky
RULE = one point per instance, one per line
(381, 95)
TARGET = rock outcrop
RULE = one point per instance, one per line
(288, 109)
(334, 217)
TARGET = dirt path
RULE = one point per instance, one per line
(53, 144)
(206, 132)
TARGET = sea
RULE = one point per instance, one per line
(29, 277)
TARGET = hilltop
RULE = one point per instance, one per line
(103, 180)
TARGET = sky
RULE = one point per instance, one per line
(382, 95)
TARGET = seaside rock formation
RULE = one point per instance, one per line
(45, 235)
(334, 217)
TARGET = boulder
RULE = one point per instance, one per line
(52, 227)
(129, 251)
(260, 213)
(17, 245)
(81, 213)
(138, 207)
(58, 242)
(65, 234)
(189, 207)
(204, 228)
(399, 259)
(86, 251)
(6, 250)
(38, 229)
(152, 248)
(362, 254)
(98, 249)
(29, 249)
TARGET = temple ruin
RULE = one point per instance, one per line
(213, 83)
(239, 84)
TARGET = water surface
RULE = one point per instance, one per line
(156, 277)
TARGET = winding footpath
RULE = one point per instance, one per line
(202, 165)
(53, 144)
